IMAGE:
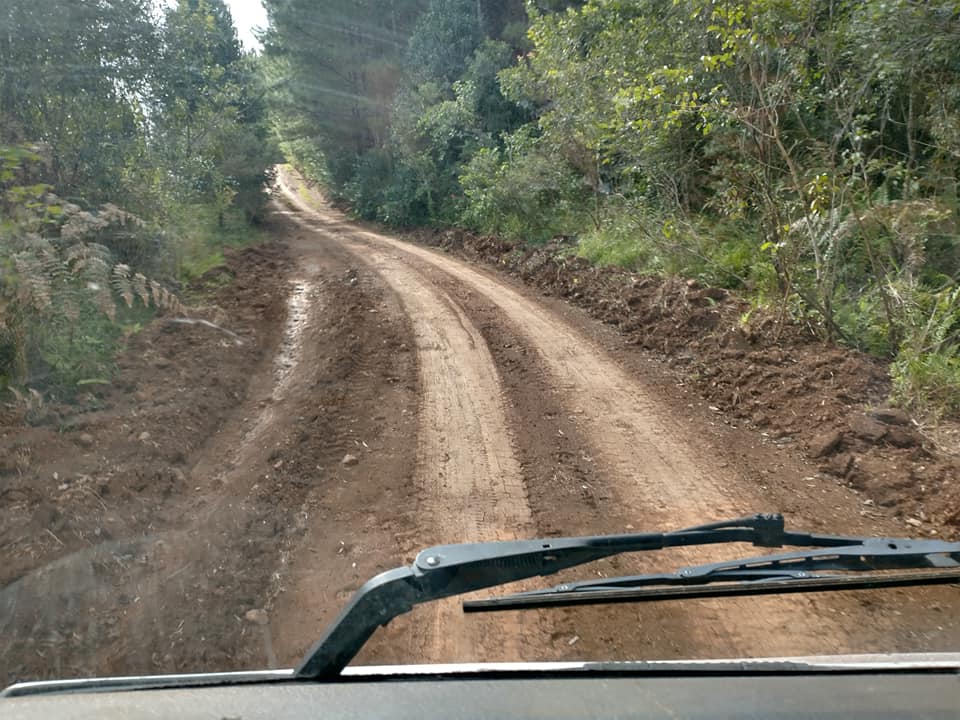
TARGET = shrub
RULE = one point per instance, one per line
(64, 299)
(529, 196)
(926, 371)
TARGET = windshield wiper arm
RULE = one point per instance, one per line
(793, 572)
(448, 570)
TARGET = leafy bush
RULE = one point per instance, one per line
(386, 189)
(520, 193)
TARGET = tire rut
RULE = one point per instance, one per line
(658, 474)
(470, 485)
(470, 481)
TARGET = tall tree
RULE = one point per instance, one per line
(72, 76)
(336, 71)
(211, 120)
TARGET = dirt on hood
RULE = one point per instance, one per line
(756, 370)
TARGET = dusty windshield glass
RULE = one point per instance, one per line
(291, 291)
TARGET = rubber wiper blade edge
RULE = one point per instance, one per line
(742, 588)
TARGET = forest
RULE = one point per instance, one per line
(134, 147)
(803, 153)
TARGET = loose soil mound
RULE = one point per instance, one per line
(63, 478)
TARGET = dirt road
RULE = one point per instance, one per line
(217, 508)
(645, 467)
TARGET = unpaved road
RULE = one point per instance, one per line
(654, 470)
(228, 533)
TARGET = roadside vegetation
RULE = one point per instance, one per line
(134, 148)
(801, 152)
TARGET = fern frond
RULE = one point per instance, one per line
(157, 292)
(81, 255)
(34, 290)
(140, 288)
(71, 310)
(103, 299)
(121, 283)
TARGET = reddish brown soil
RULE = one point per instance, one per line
(139, 531)
(755, 370)
(202, 513)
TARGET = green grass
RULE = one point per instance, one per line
(201, 240)
(612, 247)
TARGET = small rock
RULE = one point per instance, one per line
(826, 443)
(85, 440)
(257, 616)
(178, 476)
(890, 416)
(902, 437)
(349, 460)
(867, 428)
(839, 465)
(914, 522)
(144, 436)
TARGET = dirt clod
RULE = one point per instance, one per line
(839, 465)
(902, 437)
(866, 428)
(891, 416)
(826, 443)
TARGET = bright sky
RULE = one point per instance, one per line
(247, 15)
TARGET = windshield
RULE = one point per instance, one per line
(291, 291)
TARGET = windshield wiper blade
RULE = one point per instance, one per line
(449, 570)
(868, 563)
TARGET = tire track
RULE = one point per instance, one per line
(660, 477)
(469, 480)
(658, 474)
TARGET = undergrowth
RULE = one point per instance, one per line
(203, 236)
